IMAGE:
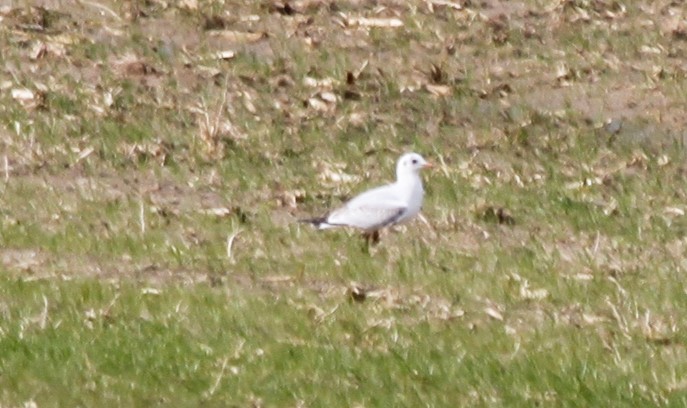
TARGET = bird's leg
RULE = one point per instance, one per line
(371, 237)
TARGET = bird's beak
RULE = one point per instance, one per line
(428, 165)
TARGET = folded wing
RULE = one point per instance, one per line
(368, 216)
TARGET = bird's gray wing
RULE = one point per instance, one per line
(368, 214)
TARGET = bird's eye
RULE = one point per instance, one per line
(414, 161)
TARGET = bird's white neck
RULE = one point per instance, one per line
(407, 177)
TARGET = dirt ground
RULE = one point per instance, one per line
(230, 73)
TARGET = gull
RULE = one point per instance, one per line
(382, 206)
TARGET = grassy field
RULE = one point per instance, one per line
(157, 154)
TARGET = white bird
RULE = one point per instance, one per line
(382, 206)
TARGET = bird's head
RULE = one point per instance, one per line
(410, 163)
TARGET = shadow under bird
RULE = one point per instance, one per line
(382, 206)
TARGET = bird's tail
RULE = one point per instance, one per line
(318, 222)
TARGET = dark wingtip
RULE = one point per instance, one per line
(314, 221)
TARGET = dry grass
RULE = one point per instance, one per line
(156, 155)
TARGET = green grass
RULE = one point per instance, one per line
(148, 258)
(229, 346)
